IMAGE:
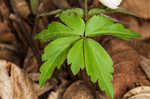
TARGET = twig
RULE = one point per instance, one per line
(27, 36)
(145, 65)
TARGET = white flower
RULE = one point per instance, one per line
(111, 3)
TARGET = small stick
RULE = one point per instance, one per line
(145, 65)
(27, 36)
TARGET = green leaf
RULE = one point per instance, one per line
(54, 55)
(76, 57)
(60, 60)
(75, 22)
(47, 70)
(95, 23)
(100, 10)
(78, 11)
(99, 65)
(34, 5)
(58, 12)
(95, 11)
(120, 10)
(101, 25)
(85, 52)
(57, 46)
(54, 31)
(74, 25)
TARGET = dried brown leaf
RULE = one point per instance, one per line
(6, 90)
(14, 83)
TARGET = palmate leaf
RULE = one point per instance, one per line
(120, 10)
(58, 12)
(101, 10)
(54, 31)
(101, 25)
(73, 25)
(76, 57)
(78, 11)
(75, 22)
(99, 66)
(54, 55)
(95, 11)
(71, 41)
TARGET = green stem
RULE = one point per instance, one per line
(86, 12)
(51, 13)
(86, 9)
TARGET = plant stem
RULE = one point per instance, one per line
(86, 9)
(51, 13)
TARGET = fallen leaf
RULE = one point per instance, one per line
(14, 83)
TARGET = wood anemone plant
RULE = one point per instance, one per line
(72, 40)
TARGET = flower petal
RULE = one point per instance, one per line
(111, 3)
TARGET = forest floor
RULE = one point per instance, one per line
(20, 54)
